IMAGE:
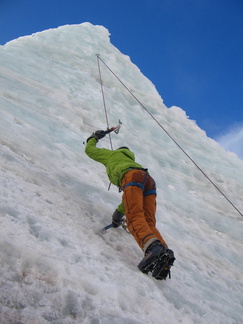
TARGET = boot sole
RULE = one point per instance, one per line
(163, 265)
(159, 265)
(145, 266)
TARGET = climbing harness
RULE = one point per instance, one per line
(141, 185)
(162, 127)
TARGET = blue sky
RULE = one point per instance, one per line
(192, 50)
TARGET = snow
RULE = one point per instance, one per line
(55, 266)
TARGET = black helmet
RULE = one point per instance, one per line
(124, 147)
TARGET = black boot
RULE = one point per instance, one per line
(163, 265)
(153, 251)
(158, 259)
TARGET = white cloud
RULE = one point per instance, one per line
(233, 140)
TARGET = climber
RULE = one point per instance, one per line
(138, 204)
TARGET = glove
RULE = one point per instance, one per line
(97, 135)
(100, 134)
(117, 218)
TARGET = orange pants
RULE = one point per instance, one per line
(140, 206)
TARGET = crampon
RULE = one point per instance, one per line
(159, 266)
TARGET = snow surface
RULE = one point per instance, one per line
(55, 267)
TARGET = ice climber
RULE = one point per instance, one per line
(138, 204)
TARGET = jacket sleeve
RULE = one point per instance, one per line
(121, 208)
(97, 154)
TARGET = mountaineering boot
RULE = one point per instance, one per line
(162, 268)
(158, 259)
(152, 253)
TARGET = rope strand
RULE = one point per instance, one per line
(161, 126)
(103, 97)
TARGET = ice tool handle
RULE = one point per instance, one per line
(123, 225)
(114, 129)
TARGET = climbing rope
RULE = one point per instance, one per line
(103, 97)
(161, 126)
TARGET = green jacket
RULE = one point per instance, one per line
(117, 162)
